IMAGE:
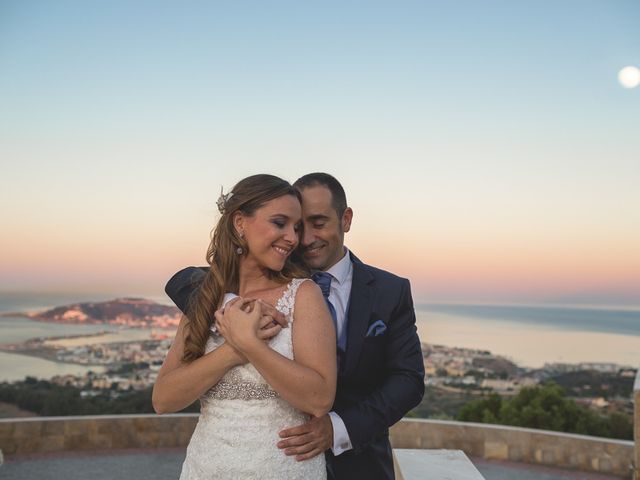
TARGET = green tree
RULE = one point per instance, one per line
(482, 410)
(546, 407)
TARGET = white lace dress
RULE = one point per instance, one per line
(240, 418)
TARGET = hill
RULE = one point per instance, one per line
(137, 312)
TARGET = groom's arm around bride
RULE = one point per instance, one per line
(381, 379)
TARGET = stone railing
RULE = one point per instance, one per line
(497, 442)
(636, 424)
(590, 454)
(59, 434)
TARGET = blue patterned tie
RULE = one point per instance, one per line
(323, 279)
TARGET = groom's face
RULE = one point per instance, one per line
(322, 240)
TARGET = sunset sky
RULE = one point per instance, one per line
(487, 148)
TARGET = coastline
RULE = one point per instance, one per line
(529, 345)
(22, 365)
(55, 338)
(44, 348)
(44, 353)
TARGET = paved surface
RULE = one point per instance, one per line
(157, 464)
(495, 470)
(165, 464)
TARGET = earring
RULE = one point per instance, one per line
(239, 250)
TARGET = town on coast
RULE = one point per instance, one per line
(118, 366)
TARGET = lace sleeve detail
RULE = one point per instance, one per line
(286, 303)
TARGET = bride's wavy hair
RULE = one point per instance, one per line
(247, 196)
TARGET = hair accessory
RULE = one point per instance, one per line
(223, 199)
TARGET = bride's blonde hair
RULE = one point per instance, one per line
(247, 196)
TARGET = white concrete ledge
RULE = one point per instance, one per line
(415, 464)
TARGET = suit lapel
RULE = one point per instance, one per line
(360, 305)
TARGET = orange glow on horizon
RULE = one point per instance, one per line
(142, 258)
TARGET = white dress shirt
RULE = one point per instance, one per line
(341, 280)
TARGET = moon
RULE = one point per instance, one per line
(629, 77)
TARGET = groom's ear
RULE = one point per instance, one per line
(346, 219)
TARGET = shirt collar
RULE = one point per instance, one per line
(340, 271)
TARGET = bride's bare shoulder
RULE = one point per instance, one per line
(308, 291)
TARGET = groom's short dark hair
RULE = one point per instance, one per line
(338, 197)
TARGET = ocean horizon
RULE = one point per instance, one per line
(606, 319)
(530, 335)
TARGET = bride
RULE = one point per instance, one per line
(253, 377)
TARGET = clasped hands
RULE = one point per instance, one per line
(244, 321)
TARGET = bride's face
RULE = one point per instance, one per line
(271, 233)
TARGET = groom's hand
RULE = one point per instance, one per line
(272, 321)
(270, 314)
(309, 439)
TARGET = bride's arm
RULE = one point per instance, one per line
(309, 382)
(179, 384)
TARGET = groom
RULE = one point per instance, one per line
(380, 365)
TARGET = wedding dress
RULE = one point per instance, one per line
(240, 418)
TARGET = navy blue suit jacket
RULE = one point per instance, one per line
(381, 377)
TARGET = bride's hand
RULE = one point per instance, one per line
(239, 323)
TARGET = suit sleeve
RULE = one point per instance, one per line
(183, 285)
(402, 387)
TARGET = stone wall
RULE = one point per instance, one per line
(589, 454)
(57, 434)
(636, 424)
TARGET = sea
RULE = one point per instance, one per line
(14, 329)
(533, 335)
(530, 335)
